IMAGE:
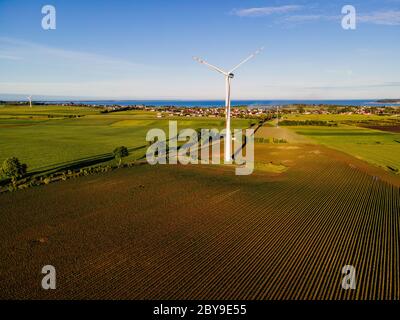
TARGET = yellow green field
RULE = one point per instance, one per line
(50, 137)
(377, 147)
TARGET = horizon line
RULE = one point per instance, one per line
(190, 99)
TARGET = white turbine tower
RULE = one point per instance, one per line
(30, 101)
(228, 76)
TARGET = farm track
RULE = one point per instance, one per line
(191, 234)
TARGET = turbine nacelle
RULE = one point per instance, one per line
(231, 75)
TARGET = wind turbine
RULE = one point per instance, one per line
(228, 77)
(30, 101)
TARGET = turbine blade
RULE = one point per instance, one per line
(247, 59)
(210, 66)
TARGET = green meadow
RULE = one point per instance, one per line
(377, 147)
(51, 137)
(339, 117)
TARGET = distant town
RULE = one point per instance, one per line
(248, 112)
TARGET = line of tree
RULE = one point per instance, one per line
(307, 123)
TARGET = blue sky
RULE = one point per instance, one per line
(143, 49)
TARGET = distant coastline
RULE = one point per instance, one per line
(221, 103)
(215, 103)
(397, 101)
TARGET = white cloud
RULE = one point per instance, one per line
(303, 18)
(264, 11)
(351, 86)
(389, 18)
(9, 57)
(27, 48)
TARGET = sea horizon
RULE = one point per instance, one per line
(220, 103)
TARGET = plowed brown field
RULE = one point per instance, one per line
(192, 232)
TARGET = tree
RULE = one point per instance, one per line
(300, 109)
(120, 153)
(14, 169)
(332, 109)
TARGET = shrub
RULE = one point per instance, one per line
(14, 169)
(261, 140)
(120, 153)
(279, 140)
(33, 183)
(24, 186)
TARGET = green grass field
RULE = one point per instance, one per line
(46, 137)
(339, 117)
(51, 137)
(350, 135)
(376, 147)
